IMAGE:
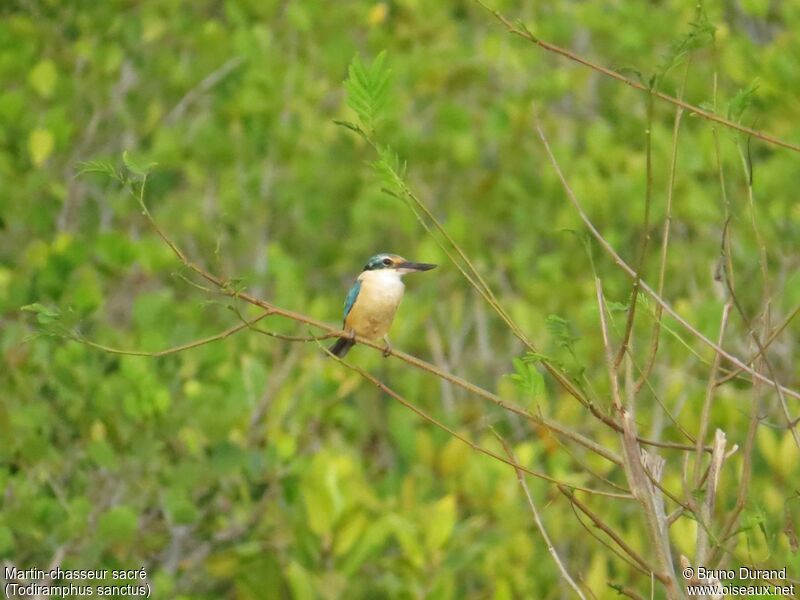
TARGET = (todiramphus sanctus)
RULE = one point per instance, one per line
(373, 300)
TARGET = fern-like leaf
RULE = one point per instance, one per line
(367, 89)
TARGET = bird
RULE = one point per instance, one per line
(372, 302)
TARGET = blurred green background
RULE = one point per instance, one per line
(258, 468)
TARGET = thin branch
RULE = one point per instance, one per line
(655, 336)
(710, 387)
(696, 110)
(768, 363)
(285, 337)
(762, 247)
(203, 87)
(727, 529)
(648, 197)
(603, 542)
(766, 344)
(175, 349)
(643, 378)
(412, 360)
(624, 591)
(616, 396)
(642, 471)
(598, 522)
(387, 390)
(646, 288)
(550, 548)
(473, 277)
(633, 389)
(707, 507)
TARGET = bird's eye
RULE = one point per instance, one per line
(387, 261)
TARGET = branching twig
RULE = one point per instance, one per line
(471, 274)
(412, 360)
(766, 344)
(540, 526)
(386, 389)
(695, 110)
(655, 336)
(707, 506)
(792, 423)
(601, 525)
(640, 478)
(645, 242)
(646, 288)
(710, 387)
(175, 349)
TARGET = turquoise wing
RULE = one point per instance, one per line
(351, 298)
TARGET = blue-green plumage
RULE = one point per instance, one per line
(342, 345)
(351, 298)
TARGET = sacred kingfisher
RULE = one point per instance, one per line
(373, 300)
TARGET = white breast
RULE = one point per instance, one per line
(380, 295)
(384, 286)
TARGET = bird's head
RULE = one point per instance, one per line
(398, 264)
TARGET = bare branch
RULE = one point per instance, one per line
(550, 548)
(646, 288)
(707, 507)
(598, 522)
(710, 387)
(695, 110)
(655, 336)
(175, 349)
(386, 389)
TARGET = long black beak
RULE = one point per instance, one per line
(414, 266)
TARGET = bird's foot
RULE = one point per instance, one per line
(387, 349)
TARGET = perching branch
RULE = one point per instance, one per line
(225, 288)
(509, 461)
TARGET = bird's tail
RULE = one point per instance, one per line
(341, 347)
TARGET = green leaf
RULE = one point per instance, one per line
(561, 331)
(99, 166)
(527, 377)
(349, 533)
(390, 167)
(118, 525)
(369, 544)
(700, 35)
(442, 520)
(86, 292)
(43, 78)
(40, 145)
(300, 582)
(44, 315)
(616, 307)
(405, 531)
(135, 166)
(367, 88)
(180, 507)
(6, 541)
(741, 101)
(101, 453)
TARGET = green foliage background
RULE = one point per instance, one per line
(255, 468)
